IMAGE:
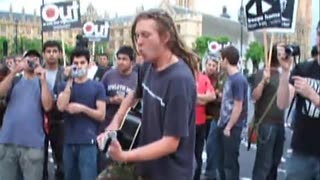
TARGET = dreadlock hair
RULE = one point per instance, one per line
(165, 24)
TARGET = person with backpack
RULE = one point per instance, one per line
(269, 121)
(22, 134)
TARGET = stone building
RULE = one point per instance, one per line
(189, 22)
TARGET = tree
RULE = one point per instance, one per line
(2, 39)
(67, 50)
(222, 40)
(101, 47)
(25, 43)
(202, 44)
(255, 53)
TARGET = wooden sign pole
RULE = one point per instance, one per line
(63, 49)
(265, 41)
(270, 50)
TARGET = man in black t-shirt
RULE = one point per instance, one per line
(302, 85)
(271, 127)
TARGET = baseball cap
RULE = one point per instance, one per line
(32, 52)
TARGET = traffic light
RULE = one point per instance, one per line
(5, 48)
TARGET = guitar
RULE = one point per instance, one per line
(129, 130)
(127, 136)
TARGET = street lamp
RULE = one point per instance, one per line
(241, 19)
(16, 37)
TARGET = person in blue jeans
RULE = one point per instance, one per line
(212, 149)
(213, 113)
(233, 115)
(83, 101)
(271, 131)
(303, 84)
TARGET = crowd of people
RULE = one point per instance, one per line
(186, 109)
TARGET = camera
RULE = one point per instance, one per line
(292, 50)
(77, 72)
(32, 65)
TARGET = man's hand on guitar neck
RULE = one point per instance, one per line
(114, 125)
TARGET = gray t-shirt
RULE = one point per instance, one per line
(23, 119)
(116, 84)
(51, 78)
(169, 99)
(235, 88)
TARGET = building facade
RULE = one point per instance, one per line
(190, 24)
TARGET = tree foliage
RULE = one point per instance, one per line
(202, 43)
(255, 52)
(25, 44)
(222, 39)
(101, 47)
(2, 39)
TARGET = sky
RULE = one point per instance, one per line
(215, 7)
(117, 7)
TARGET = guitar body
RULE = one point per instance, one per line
(129, 130)
(127, 136)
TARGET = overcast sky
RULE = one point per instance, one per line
(213, 7)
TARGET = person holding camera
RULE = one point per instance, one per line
(83, 102)
(302, 86)
(22, 135)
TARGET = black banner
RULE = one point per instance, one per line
(288, 12)
(96, 31)
(273, 15)
(62, 15)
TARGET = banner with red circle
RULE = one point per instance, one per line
(61, 15)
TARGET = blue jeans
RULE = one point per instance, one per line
(200, 137)
(229, 153)
(80, 162)
(270, 143)
(303, 167)
(212, 149)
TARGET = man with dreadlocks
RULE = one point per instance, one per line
(167, 136)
